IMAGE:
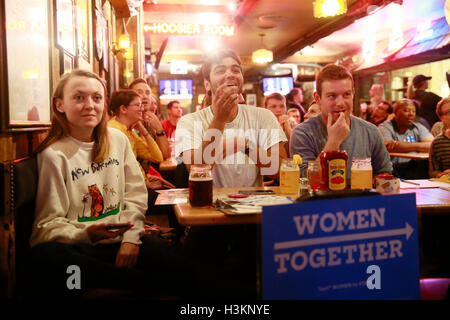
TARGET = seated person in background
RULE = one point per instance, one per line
(175, 112)
(294, 99)
(438, 128)
(126, 106)
(402, 134)
(418, 118)
(276, 103)
(313, 110)
(150, 119)
(376, 93)
(382, 112)
(294, 113)
(428, 100)
(440, 147)
(336, 128)
(93, 219)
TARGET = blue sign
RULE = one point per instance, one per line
(350, 248)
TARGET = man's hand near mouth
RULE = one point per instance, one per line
(337, 132)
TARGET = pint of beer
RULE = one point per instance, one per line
(361, 173)
(200, 186)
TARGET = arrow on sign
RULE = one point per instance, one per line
(407, 231)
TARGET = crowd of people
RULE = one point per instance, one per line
(92, 148)
(406, 125)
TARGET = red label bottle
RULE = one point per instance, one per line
(334, 167)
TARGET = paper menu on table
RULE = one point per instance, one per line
(172, 196)
(423, 183)
(250, 205)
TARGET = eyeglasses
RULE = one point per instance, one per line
(139, 106)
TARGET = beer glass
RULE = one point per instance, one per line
(361, 173)
(289, 176)
(200, 185)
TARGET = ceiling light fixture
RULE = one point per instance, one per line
(328, 8)
(232, 6)
(262, 55)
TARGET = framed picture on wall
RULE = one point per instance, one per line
(67, 62)
(25, 65)
(65, 25)
(100, 34)
(106, 46)
(83, 29)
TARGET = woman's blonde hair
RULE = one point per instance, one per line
(60, 125)
(440, 104)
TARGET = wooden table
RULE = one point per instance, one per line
(195, 216)
(433, 215)
(428, 201)
(411, 155)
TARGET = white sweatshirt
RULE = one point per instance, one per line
(74, 192)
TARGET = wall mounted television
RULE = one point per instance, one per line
(282, 85)
(175, 89)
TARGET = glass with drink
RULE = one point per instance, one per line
(303, 187)
(361, 173)
(289, 176)
(313, 173)
(200, 185)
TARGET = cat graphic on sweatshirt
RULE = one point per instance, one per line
(97, 205)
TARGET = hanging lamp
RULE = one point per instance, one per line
(262, 55)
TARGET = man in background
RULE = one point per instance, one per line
(175, 112)
(294, 99)
(428, 100)
(376, 93)
(276, 103)
(295, 114)
(382, 112)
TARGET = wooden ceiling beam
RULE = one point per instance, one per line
(185, 8)
(332, 24)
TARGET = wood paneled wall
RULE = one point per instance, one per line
(17, 145)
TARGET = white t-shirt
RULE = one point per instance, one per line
(259, 125)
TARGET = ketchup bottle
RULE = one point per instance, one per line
(334, 167)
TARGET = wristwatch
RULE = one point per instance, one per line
(161, 133)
